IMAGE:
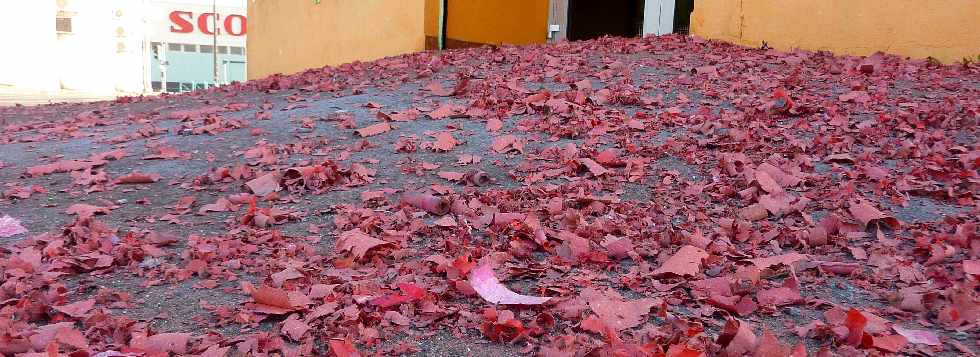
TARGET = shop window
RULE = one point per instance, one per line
(207, 49)
(173, 47)
(235, 50)
(62, 24)
(190, 48)
(223, 50)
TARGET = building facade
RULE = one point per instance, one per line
(948, 31)
(120, 47)
(299, 34)
(289, 36)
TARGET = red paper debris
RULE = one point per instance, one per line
(686, 262)
(594, 167)
(294, 328)
(86, 211)
(344, 348)
(79, 309)
(445, 141)
(785, 259)
(137, 178)
(923, 337)
(969, 266)
(264, 185)
(769, 345)
(483, 280)
(452, 176)
(755, 212)
(64, 166)
(357, 243)
(867, 215)
(436, 205)
(616, 312)
(604, 181)
(889, 343)
(505, 143)
(737, 338)
(164, 343)
(375, 129)
(10, 227)
(276, 301)
(855, 323)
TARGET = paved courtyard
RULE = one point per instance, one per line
(616, 197)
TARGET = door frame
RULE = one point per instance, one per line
(658, 17)
(557, 19)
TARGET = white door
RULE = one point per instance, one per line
(658, 17)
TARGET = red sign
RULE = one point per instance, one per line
(183, 22)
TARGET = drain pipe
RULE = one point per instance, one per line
(443, 14)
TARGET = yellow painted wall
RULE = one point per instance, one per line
(288, 36)
(947, 30)
(432, 18)
(518, 22)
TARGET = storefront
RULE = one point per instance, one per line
(120, 47)
(187, 52)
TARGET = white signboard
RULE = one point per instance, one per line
(193, 22)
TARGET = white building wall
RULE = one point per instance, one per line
(104, 53)
(28, 43)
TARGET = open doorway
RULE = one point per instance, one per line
(588, 19)
(682, 16)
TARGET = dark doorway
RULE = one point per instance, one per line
(682, 16)
(588, 19)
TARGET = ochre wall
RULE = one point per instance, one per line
(293, 35)
(432, 18)
(947, 30)
(518, 22)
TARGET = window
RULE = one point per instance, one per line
(201, 86)
(173, 47)
(62, 24)
(186, 87)
(173, 87)
(155, 85)
(190, 48)
(223, 50)
(207, 49)
(237, 50)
